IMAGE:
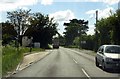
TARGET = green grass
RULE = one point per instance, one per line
(71, 46)
(90, 52)
(26, 50)
(11, 57)
(0, 59)
(37, 49)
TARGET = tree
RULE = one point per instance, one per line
(61, 40)
(20, 21)
(104, 28)
(76, 41)
(88, 42)
(42, 29)
(74, 29)
(115, 30)
(8, 33)
(108, 30)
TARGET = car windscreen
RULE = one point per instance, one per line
(112, 49)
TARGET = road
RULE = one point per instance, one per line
(64, 62)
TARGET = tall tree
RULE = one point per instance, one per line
(115, 30)
(42, 29)
(109, 29)
(74, 29)
(8, 32)
(20, 20)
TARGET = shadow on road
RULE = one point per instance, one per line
(113, 71)
(116, 71)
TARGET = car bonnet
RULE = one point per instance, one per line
(112, 55)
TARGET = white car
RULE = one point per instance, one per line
(108, 56)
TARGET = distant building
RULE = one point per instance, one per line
(26, 41)
(36, 44)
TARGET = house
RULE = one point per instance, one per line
(26, 41)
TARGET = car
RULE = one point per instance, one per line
(108, 56)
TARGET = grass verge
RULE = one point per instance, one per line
(71, 46)
(0, 61)
(89, 52)
(11, 57)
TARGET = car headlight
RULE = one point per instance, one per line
(108, 59)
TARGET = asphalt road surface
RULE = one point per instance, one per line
(64, 62)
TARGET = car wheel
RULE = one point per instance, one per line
(103, 66)
(96, 62)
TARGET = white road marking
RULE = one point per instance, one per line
(75, 61)
(86, 73)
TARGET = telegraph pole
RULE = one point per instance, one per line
(96, 32)
(119, 4)
(96, 16)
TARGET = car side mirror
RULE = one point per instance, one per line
(101, 52)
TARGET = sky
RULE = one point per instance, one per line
(63, 10)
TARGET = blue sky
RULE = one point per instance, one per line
(63, 11)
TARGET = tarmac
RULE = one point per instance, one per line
(30, 59)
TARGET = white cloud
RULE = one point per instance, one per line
(92, 0)
(91, 30)
(26, 2)
(8, 5)
(105, 13)
(63, 15)
(90, 12)
(101, 13)
(24, 8)
(46, 2)
(8, 1)
(110, 2)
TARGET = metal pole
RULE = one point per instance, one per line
(96, 31)
(96, 16)
(119, 4)
(79, 39)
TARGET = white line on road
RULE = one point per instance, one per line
(86, 73)
(75, 61)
